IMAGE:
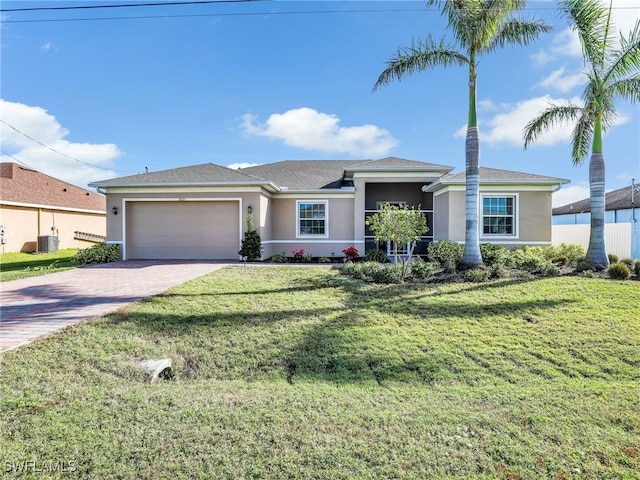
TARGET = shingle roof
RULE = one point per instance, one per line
(23, 185)
(290, 174)
(195, 174)
(507, 176)
(615, 200)
(318, 174)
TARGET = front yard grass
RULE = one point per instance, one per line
(285, 372)
(23, 265)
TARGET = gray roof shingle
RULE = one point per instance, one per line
(497, 175)
(195, 174)
(614, 200)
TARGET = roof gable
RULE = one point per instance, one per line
(20, 184)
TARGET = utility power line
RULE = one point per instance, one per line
(124, 5)
(55, 151)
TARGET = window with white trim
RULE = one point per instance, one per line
(312, 218)
(499, 215)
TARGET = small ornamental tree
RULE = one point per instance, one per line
(400, 226)
(251, 242)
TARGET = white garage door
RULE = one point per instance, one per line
(183, 230)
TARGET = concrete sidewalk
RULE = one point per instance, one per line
(35, 306)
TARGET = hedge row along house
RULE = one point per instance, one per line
(321, 206)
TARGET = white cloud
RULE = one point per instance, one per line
(46, 134)
(48, 46)
(306, 128)
(562, 83)
(570, 194)
(624, 15)
(236, 166)
(507, 127)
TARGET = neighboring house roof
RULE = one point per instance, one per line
(496, 176)
(22, 185)
(615, 200)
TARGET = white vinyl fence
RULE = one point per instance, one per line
(618, 237)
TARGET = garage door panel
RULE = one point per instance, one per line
(183, 230)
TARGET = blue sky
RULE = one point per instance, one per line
(87, 97)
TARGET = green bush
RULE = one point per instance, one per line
(476, 275)
(619, 271)
(100, 253)
(628, 262)
(584, 266)
(613, 258)
(278, 258)
(375, 256)
(564, 254)
(445, 250)
(498, 271)
(386, 274)
(251, 242)
(493, 254)
(372, 271)
(636, 267)
(421, 269)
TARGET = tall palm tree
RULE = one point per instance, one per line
(611, 73)
(479, 27)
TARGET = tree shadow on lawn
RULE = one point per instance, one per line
(377, 333)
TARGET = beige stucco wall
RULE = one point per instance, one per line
(25, 224)
(534, 217)
(283, 222)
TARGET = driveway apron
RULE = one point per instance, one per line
(32, 307)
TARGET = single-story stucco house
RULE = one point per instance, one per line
(36, 207)
(200, 212)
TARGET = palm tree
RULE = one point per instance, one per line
(479, 27)
(611, 73)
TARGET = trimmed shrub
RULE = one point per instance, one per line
(445, 250)
(628, 262)
(100, 253)
(498, 271)
(619, 271)
(251, 242)
(386, 274)
(493, 254)
(559, 254)
(375, 256)
(277, 258)
(613, 258)
(476, 275)
(421, 269)
(636, 267)
(584, 266)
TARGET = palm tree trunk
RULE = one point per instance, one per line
(471, 255)
(596, 252)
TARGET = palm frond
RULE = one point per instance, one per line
(591, 21)
(517, 31)
(549, 118)
(581, 138)
(418, 57)
(628, 88)
(626, 60)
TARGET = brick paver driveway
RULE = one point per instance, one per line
(35, 306)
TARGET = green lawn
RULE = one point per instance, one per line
(23, 265)
(285, 372)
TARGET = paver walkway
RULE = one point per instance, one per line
(35, 306)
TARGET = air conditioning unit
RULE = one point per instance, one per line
(48, 244)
